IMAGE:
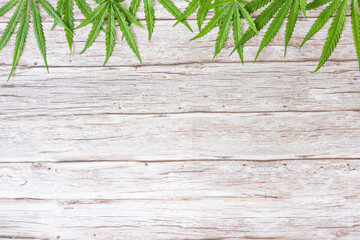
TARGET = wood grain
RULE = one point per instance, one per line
(213, 87)
(173, 46)
(182, 146)
(187, 200)
(257, 136)
(285, 179)
(180, 219)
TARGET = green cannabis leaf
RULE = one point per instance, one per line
(230, 11)
(277, 10)
(111, 10)
(65, 9)
(227, 13)
(22, 14)
(355, 23)
(336, 26)
(204, 7)
(316, 3)
(150, 13)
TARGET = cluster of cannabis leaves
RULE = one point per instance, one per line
(226, 13)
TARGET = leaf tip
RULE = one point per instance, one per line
(257, 55)
(315, 70)
(9, 76)
(176, 24)
(301, 45)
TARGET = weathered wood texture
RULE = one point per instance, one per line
(182, 146)
(182, 200)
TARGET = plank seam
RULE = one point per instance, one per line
(357, 158)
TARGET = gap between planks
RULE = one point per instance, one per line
(259, 160)
(184, 113)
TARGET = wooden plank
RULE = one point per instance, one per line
(160, 12)
(281, 180)
(192, 136)
(183, 200)
(320, 218)
(211, 87)
(172, 46)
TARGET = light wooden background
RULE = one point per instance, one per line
(182, 146)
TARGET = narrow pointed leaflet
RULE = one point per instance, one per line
(26, 9)
(228, 12)
(108, 11)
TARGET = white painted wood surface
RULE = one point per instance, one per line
(183, 146)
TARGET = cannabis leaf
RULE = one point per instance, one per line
(316, 3)
(150, 13)
(65, 9)
(204, 7)
(22, 14)
(281, 9)
(321, 20)
(229, 11)
(355, 23)
(110, 10)
(336, 27)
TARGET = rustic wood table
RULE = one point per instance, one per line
(182, 146)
